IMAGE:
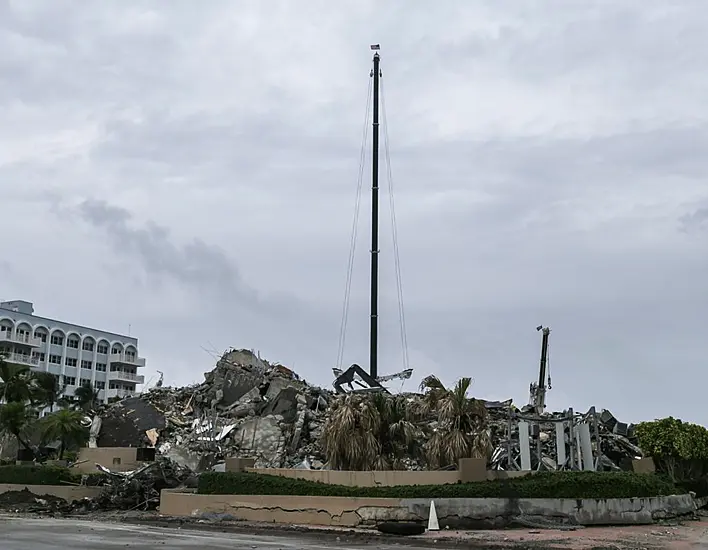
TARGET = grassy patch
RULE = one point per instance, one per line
(543, 485)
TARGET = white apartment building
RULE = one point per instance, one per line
(75, 354)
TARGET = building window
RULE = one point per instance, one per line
(57, 340)
(70, 361)
(70, 380)
(101, 367)
(130, 356)
(41, 336)
(87, 346)
(86, 364)
(102, 348)
(112, 386)
(38, 355)
(56, 359)
(100, 385)
(5, 329)
(72, 343)
(115, 351)
(84, 382)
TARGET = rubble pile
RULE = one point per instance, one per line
(613, 442)
(140, 489)
(245, 407)
(25, 501)
(249, 408)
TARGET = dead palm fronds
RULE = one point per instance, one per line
(369, 432)
(462, 426)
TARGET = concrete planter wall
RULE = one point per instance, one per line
(464, 513)
(469, 470)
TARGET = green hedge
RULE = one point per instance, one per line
(542, 485)
(44, 475)
(698, 486)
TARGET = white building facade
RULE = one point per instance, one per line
(77, 355)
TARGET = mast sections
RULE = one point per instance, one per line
(374, 319)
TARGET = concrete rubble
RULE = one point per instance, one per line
(612, 443)
(245, 407)
(249, 408)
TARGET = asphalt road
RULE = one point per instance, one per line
(50, 534)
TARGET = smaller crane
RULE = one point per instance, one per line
(538, 390)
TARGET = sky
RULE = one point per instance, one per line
(187, 172)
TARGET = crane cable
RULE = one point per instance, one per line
(355, 225)
(394, 233)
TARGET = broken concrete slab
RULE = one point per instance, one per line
(263, 439)
(285, 404)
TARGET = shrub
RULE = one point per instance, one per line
(37, 475)
(45, 475)
(543, 485)
(679, 449)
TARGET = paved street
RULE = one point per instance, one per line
(50, 534)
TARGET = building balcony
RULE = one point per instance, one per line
(21, 359)
(123, 359)
(22, 339)
(126, 376)
(110, 393)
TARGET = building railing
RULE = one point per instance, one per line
(21, 359)
(20, 339)
(127, 359)
(123, 375)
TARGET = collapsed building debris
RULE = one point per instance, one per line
(245, 407)
(525, 440)
(140, 489)
(25, 501)
(249, 408)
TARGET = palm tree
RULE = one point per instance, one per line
(47, 389)
(15, 419)
(462, 423)
(399, 433)
(14, 382)
(368, 432)
(86, 396)
(65, 425)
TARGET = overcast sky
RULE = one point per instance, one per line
(189, 170)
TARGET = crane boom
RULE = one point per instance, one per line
(538, 390)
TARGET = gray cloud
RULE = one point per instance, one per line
(548, 165)
(696, 220)
(194, 263)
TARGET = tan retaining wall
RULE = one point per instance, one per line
(296, 510)
(454, 512)
(67, 492)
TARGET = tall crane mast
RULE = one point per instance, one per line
(538, 390)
